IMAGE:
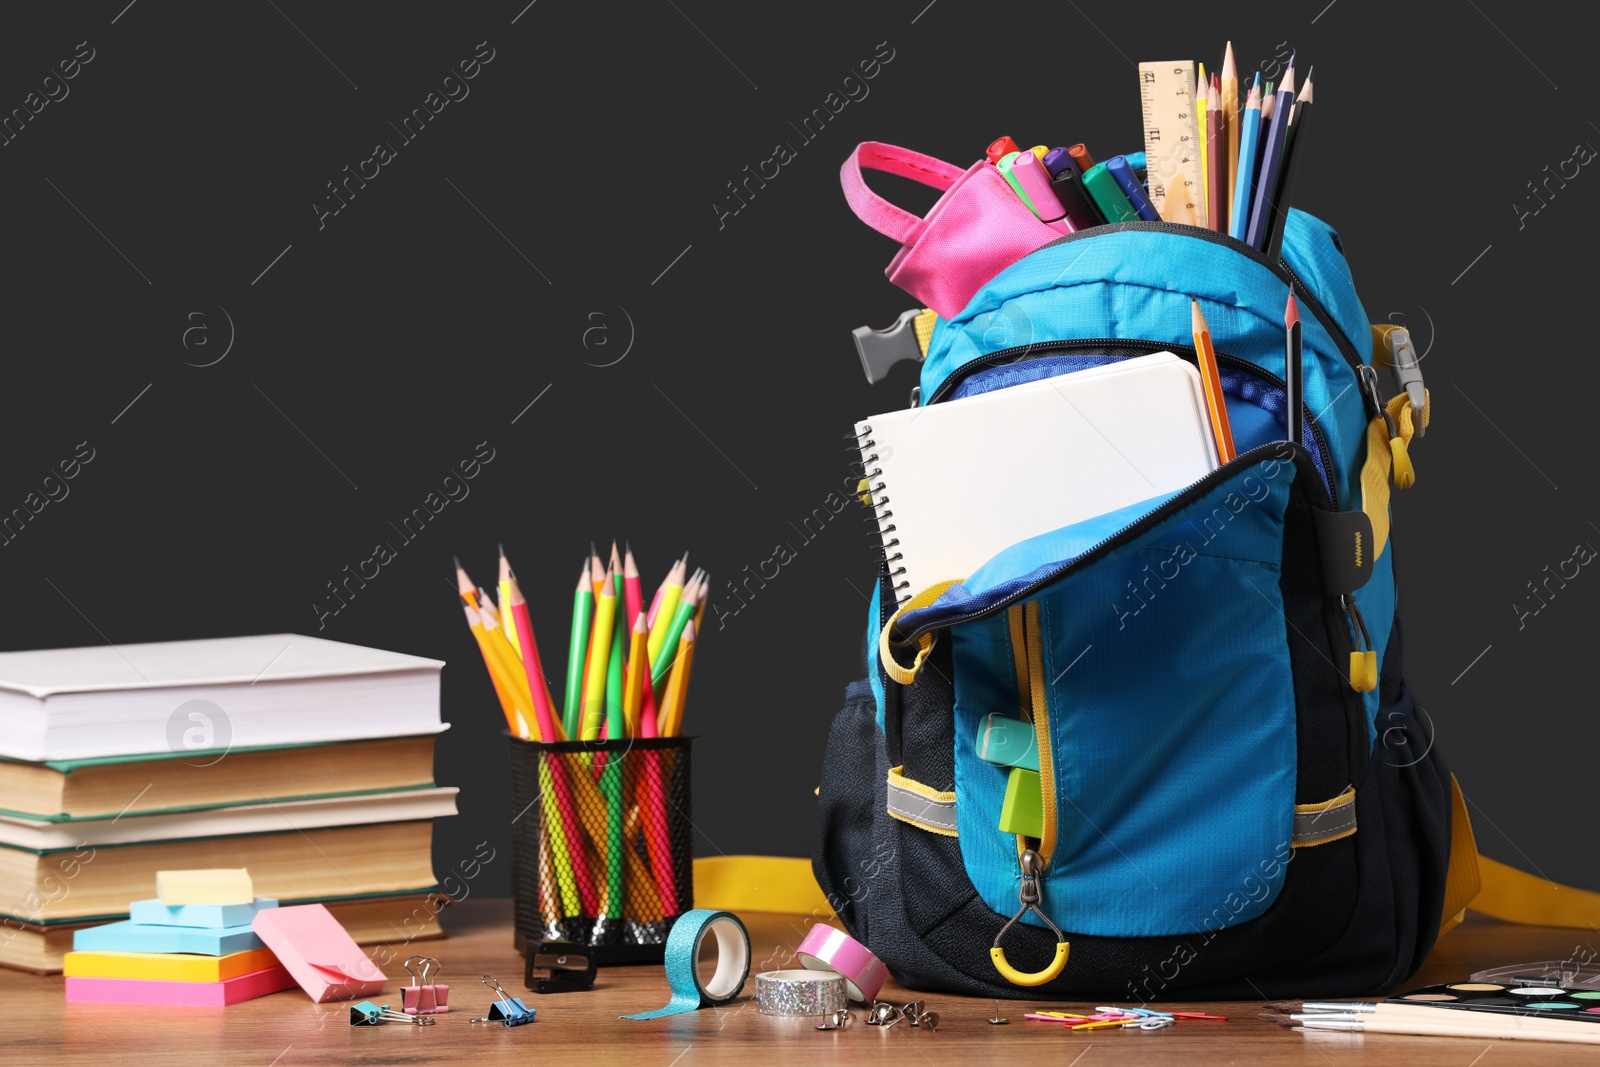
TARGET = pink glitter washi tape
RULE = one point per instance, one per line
(827, 949)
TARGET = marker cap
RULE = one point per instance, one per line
(1056, 159)
(1002, 146)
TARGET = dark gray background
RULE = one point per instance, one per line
(579, 176)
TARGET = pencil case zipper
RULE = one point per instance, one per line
(1126, 348)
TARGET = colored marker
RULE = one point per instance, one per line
(1107, 194)
(1058, 159)
(1081, 209)
(1035, 182)
(1002, 146)
(1007, 169)
(1128, 182)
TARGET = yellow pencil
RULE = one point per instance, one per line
(594, 689)
(505, 600)
(671, 591)
(701, 596)
(678, 682)
(512, 675)
(475, 624)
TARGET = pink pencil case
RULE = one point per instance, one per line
(978, 228)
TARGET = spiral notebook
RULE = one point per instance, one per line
(955, 483)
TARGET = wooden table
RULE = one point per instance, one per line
(287, 1030)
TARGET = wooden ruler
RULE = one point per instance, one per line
(1172, 140)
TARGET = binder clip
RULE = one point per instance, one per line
(422, 997)
(559, 967)
(369, 1014)
(506, 1009)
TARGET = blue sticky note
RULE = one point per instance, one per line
(205, 916)
(138, 937)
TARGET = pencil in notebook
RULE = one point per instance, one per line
(577, 652)
(678, 684)
(1285, 194)
(1211, 379)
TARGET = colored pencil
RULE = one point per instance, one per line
(1271, 159)
(633, 684)
(594, 681)
(505, 599)
(678, 684)
(1285, 194)
(596, 568)
(661, 660)
(614, 729)
(464, 586)
(1202, 107)
(655, 601)
(671, 592)
(702, 595)
(1230, 123)
(544, 715)
(1293, 391)
(1211, 377)
(577, 652)
(632, 590)
(1244, 182)
(516, 682)
(1215, 196)
(475, 624)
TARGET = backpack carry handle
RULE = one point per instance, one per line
(893, 222)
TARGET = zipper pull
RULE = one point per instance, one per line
(1401, 473)
(1364, 659)
(1029, 897)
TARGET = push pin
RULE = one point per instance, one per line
(506, 1009)
(423, 997)
(881, 1014)
(929, 1019)
(839, 1020)
(369, 1014)
(997, 1020)
(559, 967)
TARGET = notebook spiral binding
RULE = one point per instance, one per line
(881, 514)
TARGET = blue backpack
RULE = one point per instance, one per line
(1239, 799)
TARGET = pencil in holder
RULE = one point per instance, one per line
(601, 844)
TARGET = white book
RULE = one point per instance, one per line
(267, 817)
(210, 695)
(960, 481)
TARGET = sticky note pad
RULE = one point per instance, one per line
(1008, 742)
(324, 959)
(179, 994)
(204, 916)
(136, 937)
(1022, 811)
(167, 966)
(217, 885)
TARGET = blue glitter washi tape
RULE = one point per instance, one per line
(683, 948)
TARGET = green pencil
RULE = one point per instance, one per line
(578, 652)
(680, 617)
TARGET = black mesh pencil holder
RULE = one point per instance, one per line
(601, 844)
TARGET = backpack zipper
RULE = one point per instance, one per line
(1039, 697)
(1176, 503)
(1108, 345)
(1281, 268)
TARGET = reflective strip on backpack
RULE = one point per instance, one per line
(1324, 821)
(921, 805)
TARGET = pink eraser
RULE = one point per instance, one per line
(316, 950)
(176, 994)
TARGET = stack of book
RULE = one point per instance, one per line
(308, 761)
(197, 955)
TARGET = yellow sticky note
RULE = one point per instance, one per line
(217, 885)
(167, 966)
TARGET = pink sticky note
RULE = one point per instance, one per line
(193, 994)
(317, 951)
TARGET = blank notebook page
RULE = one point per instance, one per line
(962, 480)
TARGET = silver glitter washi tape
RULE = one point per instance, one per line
(799, 993)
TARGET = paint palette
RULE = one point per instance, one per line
(1509, 998)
